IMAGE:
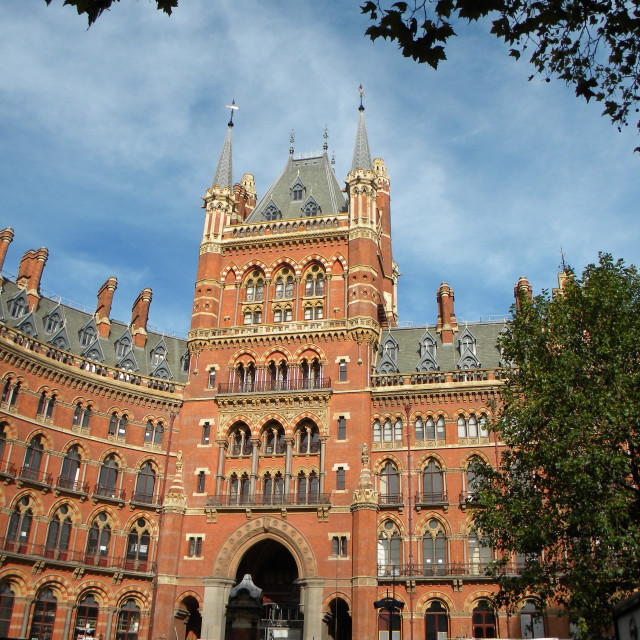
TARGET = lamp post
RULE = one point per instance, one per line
(407, 408)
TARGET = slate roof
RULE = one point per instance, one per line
(319, 180)
(447, 355)
(75, 320)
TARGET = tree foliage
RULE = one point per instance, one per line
(566, 495)
(93, 9)
(593, 45)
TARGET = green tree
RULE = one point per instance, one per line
(565, 499)
(93, 9)
(593, 45)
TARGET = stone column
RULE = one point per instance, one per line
(323, 471)
(67, 620)
(28, 605)
(287, 467)
(107, 634)
(216, 596)
(311, 601)
(222, 447)
(255, 450)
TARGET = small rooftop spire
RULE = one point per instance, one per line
(325, 146)
(291, 139)
(361, 154)
(223, 177)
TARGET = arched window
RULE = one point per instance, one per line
(77, 415)
(389, 550)
(377, 431)
(33, 458)
(432, 483)
(246, 376)
(70, 470)
(472, 478)
(419, 429)
(254, 287)
(531, 621)
(484, 431)
(99, 537)
(307, 488)
(273, 439)
(473, 426)
(20, 523)
(462, 428)
(7, 598)
(480, 555)
(434, 549)
(44, 616)
(387, 431)
(239, 489)
(273, 488)
(108, 477)
(113, 424)
(3, 439)
(86, 617)
(240, 441)
(122, 427)
(390, 484)
(145, 484)
(436, 622)
(308, 438)
(397, 430)
(153, 433)
(42, 404)
(483, 621)
(138, 546)
(59, 534)
(128, 621)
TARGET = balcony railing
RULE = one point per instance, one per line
(84, 558)
(267, 386)
(109, 493)
(390, 499)
(427, 498)
(435, 569)
(71, 484)
(265, 500)
(141, 497)
(34, 475)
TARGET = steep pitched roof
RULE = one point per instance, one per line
(223, 177)
(361, 153)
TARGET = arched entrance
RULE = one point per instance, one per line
(338, 620)
(274, 570)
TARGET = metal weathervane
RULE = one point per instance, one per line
(233, 108)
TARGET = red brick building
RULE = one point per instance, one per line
(298, 435)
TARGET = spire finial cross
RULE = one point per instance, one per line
(361, 107)
(291, 139)
(562, 264)
(233, 108)
(325, 146)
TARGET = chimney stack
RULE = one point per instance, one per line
(6, 236)
(30, 273)
(447, 323)
(139, 317)
(522, 291)
(103, 309)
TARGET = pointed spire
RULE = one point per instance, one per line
(291, 141)
(223, 176)
(361, 154)
(325, 146)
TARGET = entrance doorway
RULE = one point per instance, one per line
(274, 570)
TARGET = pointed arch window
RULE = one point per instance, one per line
(3, 441)
(308, 487)
(19, 305)
(436, 621)
(480, 555)
(387, 431)
(240, 441)
(81, 416)
(87, 335)
(434, 549)
(7, 598)
(254, 287)
(145, 484)
(432, 483)
(273, 488)
(99, 537)
(70, 470)
(44, 616)
(389, 550)
(86, 617)
(108, 477)
(397, 430)
(33, 458)
(377, 431)
(138, 546)
(59, 534)
(389, 484)
(20, 521)
(128, 621)
(272, 212)
(273, 439)
(308, 438)
(419, 429)
(483, 621)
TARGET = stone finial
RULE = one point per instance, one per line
(365, 496)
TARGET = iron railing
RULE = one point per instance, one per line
(266, 386)
(268, 500)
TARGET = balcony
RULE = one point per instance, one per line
(35, 477)
(29, 551)
(109, 494)
(146, 499)
(271, 386)
(266, 501)
(469, 570)
(391, 500)
(72, 486)
(431, 499)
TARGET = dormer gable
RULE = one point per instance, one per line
(28, 325)
(311, 207)
(53, 320)
(467, 349)
(271, 211)
(60, 339)
(297, 190)
(389, 356)
(18, 305)
(158, 353)
(88, 335)
(128, 362)
(124, 343)
(94, 351)
(427, 360)
(162, 371)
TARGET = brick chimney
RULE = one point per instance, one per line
(139, 317)
(522, 291)
(103, 309)
(6, 236)
(447, 323)
(30, 273)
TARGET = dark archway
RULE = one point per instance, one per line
(338, 620)
(274, 570)
(193, 621)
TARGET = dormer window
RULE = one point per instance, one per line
(272, 212)
(19, 305)
(297, 190)
(122, 347)
(311, 207)
(53, 322)
(87, 336)
(158, 355)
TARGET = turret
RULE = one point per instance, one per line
(30, 273)
(522, 291)
(447, 323)
(103, 308)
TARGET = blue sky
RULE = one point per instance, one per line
(110, 136)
